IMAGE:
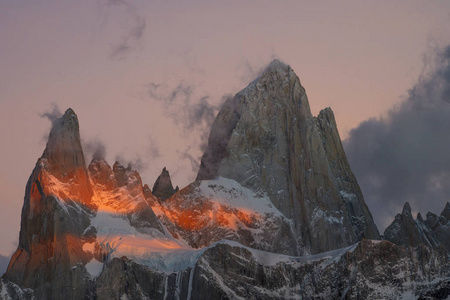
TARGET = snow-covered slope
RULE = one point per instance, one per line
(229, 270)
(211, 210)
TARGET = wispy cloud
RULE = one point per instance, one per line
(134, 33)
(184, 109)
(192, 113)
(153, 150)
(52, 114)
(94, 149)
(251, 69)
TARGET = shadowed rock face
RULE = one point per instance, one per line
(404, 230)
(163, 188)
(433, 232)
(369, 270)
(266, 139)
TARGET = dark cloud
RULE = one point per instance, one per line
(94, 149)
(134, 32)
(404, 156)
(52, 114)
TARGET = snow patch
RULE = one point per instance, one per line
(230, 193)
(118, 238)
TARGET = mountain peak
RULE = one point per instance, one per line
(406, 209)
(69, 113)
(163, 187)
(63, 151)
(446, 212)
(266, 139)
(277, 66)
(419, 217)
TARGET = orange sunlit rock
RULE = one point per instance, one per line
(64, 251)
(246, 218)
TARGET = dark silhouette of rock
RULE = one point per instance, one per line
(163, 188)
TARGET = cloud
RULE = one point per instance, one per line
(404, 156)
(153, 149)
(253, 69)
(194, 161)
(193, 114)
(134, 31)
(136, 163)
(94, 148)
(52, 114)
(182, 107)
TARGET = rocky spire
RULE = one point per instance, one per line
(55, 221)
(63, 152)
(446, 212)
(266, 139)
(63, 156)
(407, 210)
(406, 231)
(163, 187)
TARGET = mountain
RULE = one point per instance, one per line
(163, 187)
(56, 213)
(275, 213)
(211, 210)
(433, 232)
(266, 139)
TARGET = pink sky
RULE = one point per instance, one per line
(101, 57)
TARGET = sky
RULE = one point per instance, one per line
(146, 79)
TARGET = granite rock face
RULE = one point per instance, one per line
(55, 218)
(228, 270)
(64, 156)
(163, 188)
(57, 237)
(267, 140)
